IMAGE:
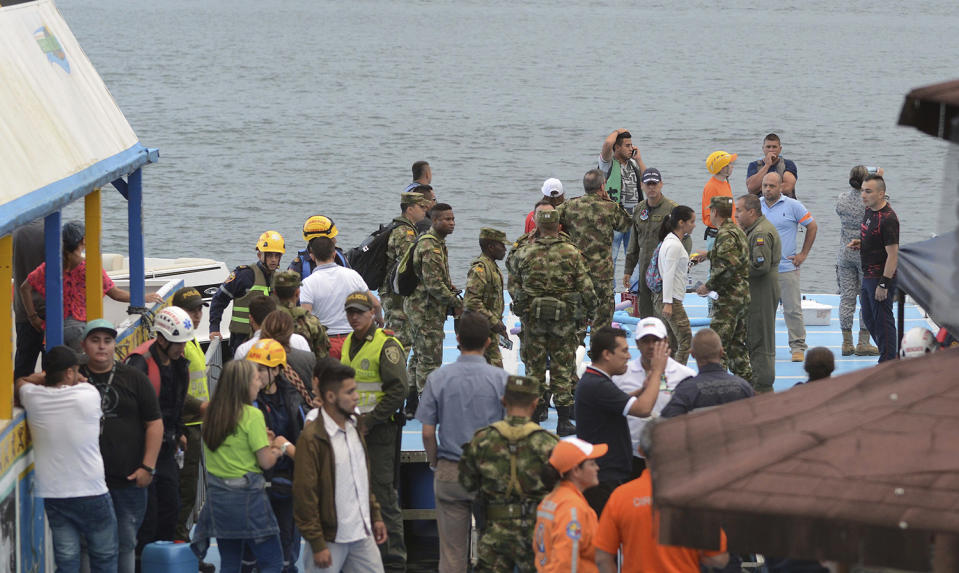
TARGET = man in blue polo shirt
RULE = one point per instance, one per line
(786, 214)
(772, 162)
(601, 407)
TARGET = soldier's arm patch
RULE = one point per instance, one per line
(411, 232)
(437, 251)
(393, 354)
(230, 278)
(760, 241)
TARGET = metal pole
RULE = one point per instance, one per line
(901, 316)
(94, 281)
(6, 325)
(54, 279)
(135, 222)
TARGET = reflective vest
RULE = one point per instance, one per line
(198, 388)
(240, 321)
(153, 369)
(367, 365)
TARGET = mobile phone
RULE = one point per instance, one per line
(505, 342)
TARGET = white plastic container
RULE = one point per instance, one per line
(816, 314)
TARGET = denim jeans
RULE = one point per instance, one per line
(879, 318)
(268, 553)
(130, 504)
(619, 240)
(83, 521)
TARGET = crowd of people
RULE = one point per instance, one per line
(300, 440)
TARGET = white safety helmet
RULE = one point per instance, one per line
(918, 341)
(174, 324)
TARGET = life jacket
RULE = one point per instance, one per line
(198, 386)
(514, 435)
(153, 369)
(240, 321)
(366, 363)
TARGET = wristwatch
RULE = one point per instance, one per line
(284, 447)
(149, 470)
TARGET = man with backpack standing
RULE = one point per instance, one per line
(644, 236)
(413, 207)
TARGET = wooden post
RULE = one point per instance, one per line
(94, 294)
(6, 328)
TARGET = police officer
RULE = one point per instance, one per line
(553, 299)
(380, 365)
(729, 277)
(245, 282)
(315, 226)
(286, 290)
(765, 249)
(502, 465)
(484, 288)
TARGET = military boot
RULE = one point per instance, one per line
(542, 411)
(564, 427)
(848, 348)
(864, 348)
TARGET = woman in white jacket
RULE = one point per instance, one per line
(674, 267)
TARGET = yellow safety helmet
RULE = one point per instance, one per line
(267, 352)
(719, 159)
(271, 242)
(319, 226)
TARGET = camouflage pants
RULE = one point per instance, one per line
(603, 289)
(493, 355)
(558, 342)
(428, 338)
(678, 328)
(396, 320)
(504, 545)
(729, 321)
(849, 277)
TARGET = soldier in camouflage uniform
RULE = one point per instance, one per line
(553, 300)
(413, 210)
(590, 221)
(502, 465)
(729, 277)
(647, 221)
(765, 248)
(287, 292)
(434, 298)
(484, 288)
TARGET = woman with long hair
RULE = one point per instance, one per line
(565, 523)
(674, 268)
(850, 209)
(237, 450)
(298, 369)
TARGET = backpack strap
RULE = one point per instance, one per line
(514, 435)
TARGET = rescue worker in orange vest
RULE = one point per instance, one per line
(316, 226)
(163, 360)
(245, 282)
(566, 524)
(380, 364)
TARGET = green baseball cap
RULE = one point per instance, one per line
(100, 324)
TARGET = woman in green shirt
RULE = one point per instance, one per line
(237, 450)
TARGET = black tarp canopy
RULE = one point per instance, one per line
(928, 272)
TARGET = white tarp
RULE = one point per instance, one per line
(56, 115)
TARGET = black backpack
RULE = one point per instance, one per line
(403, 275)
(369, 258)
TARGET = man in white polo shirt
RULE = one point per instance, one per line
(324, 293)
(649, 331)
(63, 413)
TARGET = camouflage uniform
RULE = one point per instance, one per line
(646, 224)
(729, 277)
(304, 322)
(765, 249)
(428, 305)
(484, 293)
(510, 505)
(552, 298)
(396, 320)
(590, 221)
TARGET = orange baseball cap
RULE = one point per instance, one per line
(570, 452)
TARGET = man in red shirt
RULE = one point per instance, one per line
(553, 194)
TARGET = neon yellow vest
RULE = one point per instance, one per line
(367, 366)
(198, 387)
(240, 322)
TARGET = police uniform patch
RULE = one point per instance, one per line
(644, 214)
(392, 354)
(574, 530)
(364, 364)
(230, 278)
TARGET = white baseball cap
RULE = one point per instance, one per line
(651, 326)
(552, 187)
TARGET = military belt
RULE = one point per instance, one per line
(496, 511)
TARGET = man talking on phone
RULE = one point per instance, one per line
(623, 166)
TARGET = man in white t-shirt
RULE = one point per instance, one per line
(649, 331)
(63, 413)
(324, 293)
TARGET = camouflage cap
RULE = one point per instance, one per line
(522, 385)
(287, 279)
(414, 199)
(493, 235)
(359, 300)
(720, 200)
(547, 216)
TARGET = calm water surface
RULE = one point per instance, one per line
(266, 113)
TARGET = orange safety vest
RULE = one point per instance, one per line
(153, 369)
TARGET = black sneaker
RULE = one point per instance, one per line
(207, 567)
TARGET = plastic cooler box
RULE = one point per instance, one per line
(816, 314)
(168, 557)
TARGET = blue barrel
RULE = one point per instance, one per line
(168, 557)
